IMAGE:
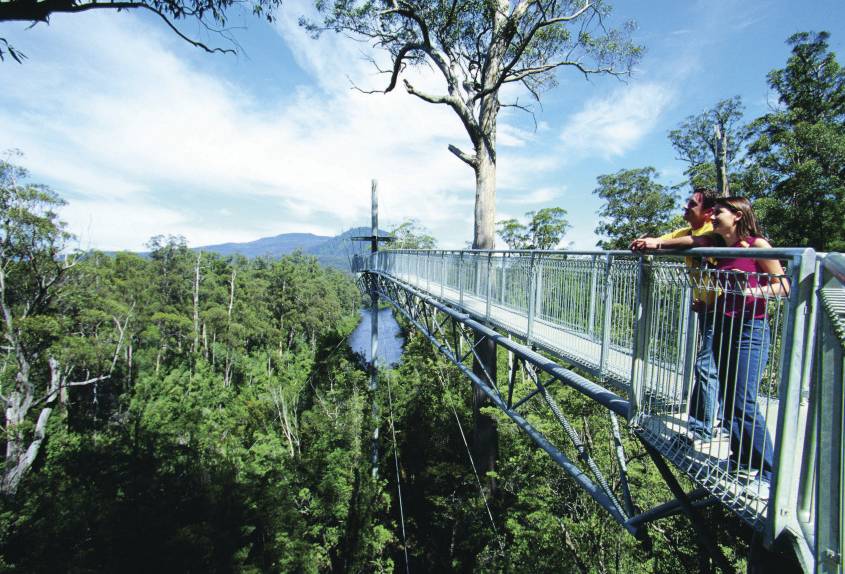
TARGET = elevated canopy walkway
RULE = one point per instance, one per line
(634, 324)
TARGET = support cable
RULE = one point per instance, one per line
(623, 466)
(471, 460)
(398, 479)
(583, 451)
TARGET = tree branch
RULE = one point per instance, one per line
(518, 14)
(525, 72)
(447, 100)
(41, 11)
(397, 64)
(54, 391)
(470, 160)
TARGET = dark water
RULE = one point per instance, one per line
(390, 339)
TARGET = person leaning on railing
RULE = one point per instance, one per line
(741, 333)
(705, 393)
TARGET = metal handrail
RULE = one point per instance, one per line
(753, 252)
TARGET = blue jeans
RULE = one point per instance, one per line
(704, 401)
(741, 347)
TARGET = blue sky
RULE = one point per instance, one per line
(143, 134)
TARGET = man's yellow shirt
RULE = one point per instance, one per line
(702, 293)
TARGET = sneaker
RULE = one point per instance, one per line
(687, 440)
(699, 430)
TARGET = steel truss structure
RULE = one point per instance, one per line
(456, 335)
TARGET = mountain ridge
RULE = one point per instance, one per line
(332, 251)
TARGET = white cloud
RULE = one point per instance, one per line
(539, 195)
(614, 125)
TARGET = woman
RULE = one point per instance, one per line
(741, 328)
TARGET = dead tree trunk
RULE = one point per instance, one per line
(722, 186)
(227, 375)
(195, 348)
(21, 449)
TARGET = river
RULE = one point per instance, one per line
(390, 338)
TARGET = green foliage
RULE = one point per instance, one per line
(514, 233)
(464, 28)
(411, 235)
(32, 239)
(545, 229)
(635, 205)
(799, 149)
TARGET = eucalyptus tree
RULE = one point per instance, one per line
(514, 233)
(410, 234)
(545, 229)
(635, 204)
(711, 143)
(478, 48)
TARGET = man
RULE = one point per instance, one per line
(705, 395)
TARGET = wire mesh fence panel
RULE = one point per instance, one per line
(716, 418)
(452, 269)
(516, 281)
(623, 278)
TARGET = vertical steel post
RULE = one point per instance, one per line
(690, 351)
(443, 273)
(461, 279)
(681, 339)
(531, 302)
(489, 283)
(642, 334)
(477, 264)
(793, 410)
(594, 274)
(374, 329)
(607, 324)
(829, 393)
(428, 271)
(538, 289)
(504, 280)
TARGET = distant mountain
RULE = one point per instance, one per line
(269, 246)
(334, 251)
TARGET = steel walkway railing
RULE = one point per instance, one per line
(629, 320)
(822, 491)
